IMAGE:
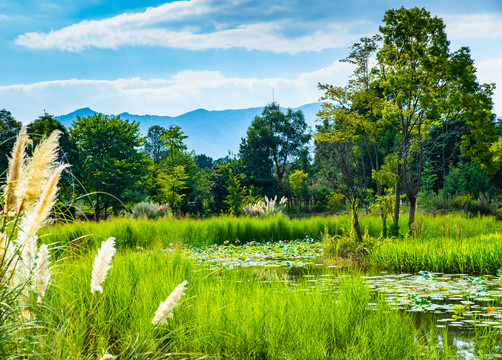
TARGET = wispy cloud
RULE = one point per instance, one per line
(198, 25)
(474, 26)
(169, 96)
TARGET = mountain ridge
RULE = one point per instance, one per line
(211, 132)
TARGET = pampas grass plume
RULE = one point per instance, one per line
(37, 171)
(108, 357)
(165, 308)
(3, 245)
(16, 163)
(34, 219)
(43, 274)
(102, 264)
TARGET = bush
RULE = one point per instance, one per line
(149, 210)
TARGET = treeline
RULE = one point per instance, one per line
(412, 125)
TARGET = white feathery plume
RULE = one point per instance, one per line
(3, 245)
(165, 308)
(108, 357)
(34, 219)
(102, 264)
(37, 170)
(16, 164)
(43, 274)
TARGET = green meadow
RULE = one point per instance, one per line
(259, 289)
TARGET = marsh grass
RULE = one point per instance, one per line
(224, 314)
(479, 254)
(152, 233)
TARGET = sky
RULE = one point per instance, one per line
(168, 58)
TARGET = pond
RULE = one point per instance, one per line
(455, 302)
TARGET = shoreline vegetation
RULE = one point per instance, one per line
(450, 244)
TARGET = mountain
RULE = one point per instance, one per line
(213, 133)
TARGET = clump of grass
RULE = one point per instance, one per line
(29, 195)
(149, 210)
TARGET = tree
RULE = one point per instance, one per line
(42, 127)
(273, 139)
(352, 122)
(154, 145)
(173, 139)
(204, 161)
(109, 162)
(424, 84)
(9, 127)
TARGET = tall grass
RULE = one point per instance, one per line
(225, 314)
(480, 254)
(151, 233)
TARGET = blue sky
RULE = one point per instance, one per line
(167, 58)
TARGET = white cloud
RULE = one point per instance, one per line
(175, 95)
(490, 71)
(179, 25)
(474, 26)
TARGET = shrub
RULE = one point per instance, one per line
(149, 210)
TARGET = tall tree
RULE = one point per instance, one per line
(424, 84)
(9, 127)
(274, 138)
(43, 126)
(154, 145)
(109, 160)
(354, 127)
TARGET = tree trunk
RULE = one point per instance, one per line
(97, 210)
(394, 230)
(355, 218)
(413, 207)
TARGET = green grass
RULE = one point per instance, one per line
(151, 233)
(234, 314)
(481, 254)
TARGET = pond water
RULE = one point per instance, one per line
(455, 302)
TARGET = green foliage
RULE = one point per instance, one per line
(467, 179)
(335, 203)
(236, 191)
(273, 139)
(108, 158)
(154, 144)
(171, 186)
(9, 127)
(296, 181)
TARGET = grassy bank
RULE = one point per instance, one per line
(480, 254)
(225, 314)
(151, 233)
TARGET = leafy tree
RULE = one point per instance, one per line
(297, 182)
(154, 145)
(204, 161)
(109, 161)
(173, 139)
(424, 84)
(273, 140)
(172, 185)
(42, 127)
(9, 127)
(352, 122)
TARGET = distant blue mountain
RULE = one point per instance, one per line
(213, 133)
